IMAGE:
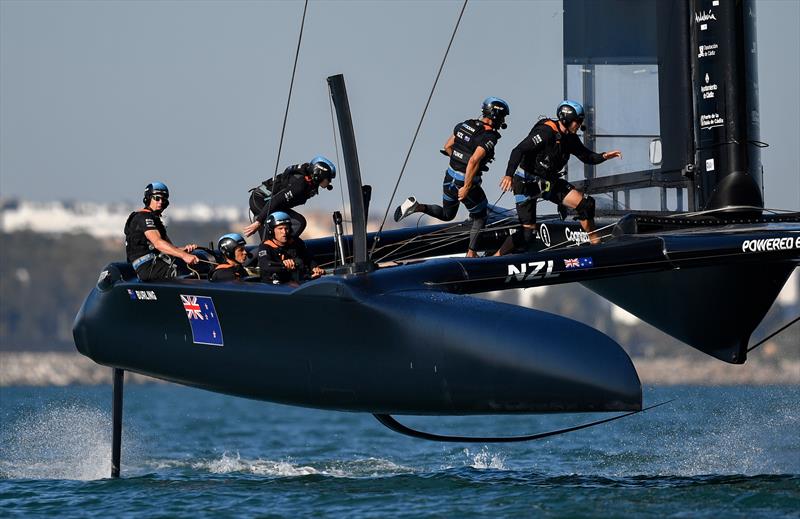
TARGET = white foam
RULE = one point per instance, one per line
(234, 463)
(485, 459)
(58, 442)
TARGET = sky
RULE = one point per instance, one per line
(99, 98)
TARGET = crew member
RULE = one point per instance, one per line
(470, 148)
(282, 257)
(232, 248)
(147, 245)
(291, 188)
(541, 157)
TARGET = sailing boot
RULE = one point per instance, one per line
(408, 207)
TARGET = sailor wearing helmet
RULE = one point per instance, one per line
(541, 156)
(290, 189)
(283, 258)
(147, 245)
(232, 248)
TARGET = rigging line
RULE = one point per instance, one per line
(459, 233)
(751, 348)
(436, 237)
(336, 146)
(291, 87)
(416, 133)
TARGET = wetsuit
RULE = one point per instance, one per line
(271, 256)
(541, 156)
(148, 262)
(293, 187)
(228, 272)
(469, 135)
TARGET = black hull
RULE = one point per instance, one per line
(330, 346)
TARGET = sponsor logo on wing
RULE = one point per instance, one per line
(770, 244)
(576, 237)
(531, 270)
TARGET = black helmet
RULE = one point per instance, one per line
(228, 244)
(276, 219)
(156, 188)
(497, 110)
(569, 112)
(321, 169)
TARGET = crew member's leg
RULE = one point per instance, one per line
(156, 269)
(446, 212)
(525, 195)
(257, 202)
(298, 222)
(477, 204)
(584, 206)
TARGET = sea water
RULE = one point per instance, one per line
(712, 452)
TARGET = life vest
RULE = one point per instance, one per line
(467, 138)
(552, 159)
(136, 243)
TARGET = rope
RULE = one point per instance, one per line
(291, 87)
(416, 133)
(756, 345)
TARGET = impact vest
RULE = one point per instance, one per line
(553, 157)
(468, 136)
(136, 243)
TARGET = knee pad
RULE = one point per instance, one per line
(585, 209)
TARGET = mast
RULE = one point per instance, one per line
(353, 172)
(725, 88)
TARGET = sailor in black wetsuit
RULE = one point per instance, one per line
(470, 148)
(146, 243)
(232, 247)
(291, 188)
(283, 258)
(540, 157)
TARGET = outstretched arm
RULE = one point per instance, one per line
(162, 245)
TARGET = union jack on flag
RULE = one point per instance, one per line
(193, 310)
(571, 263)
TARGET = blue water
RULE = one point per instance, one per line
(713, 452)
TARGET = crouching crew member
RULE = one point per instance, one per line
(470, 148)
(232, 248)
(291, 188)
(282, 257)
(541, 156)
(147, 245)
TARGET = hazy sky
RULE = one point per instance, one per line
(99, 98)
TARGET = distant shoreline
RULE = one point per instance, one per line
(64, 369)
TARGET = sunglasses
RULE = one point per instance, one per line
(159, 198)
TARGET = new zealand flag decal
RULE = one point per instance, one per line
(203, 319)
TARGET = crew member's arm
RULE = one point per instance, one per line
(530, 144)
(162, 245)
(448, 146)
(473, 166)
(587, 156)
(308, 260)
(269, 266)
